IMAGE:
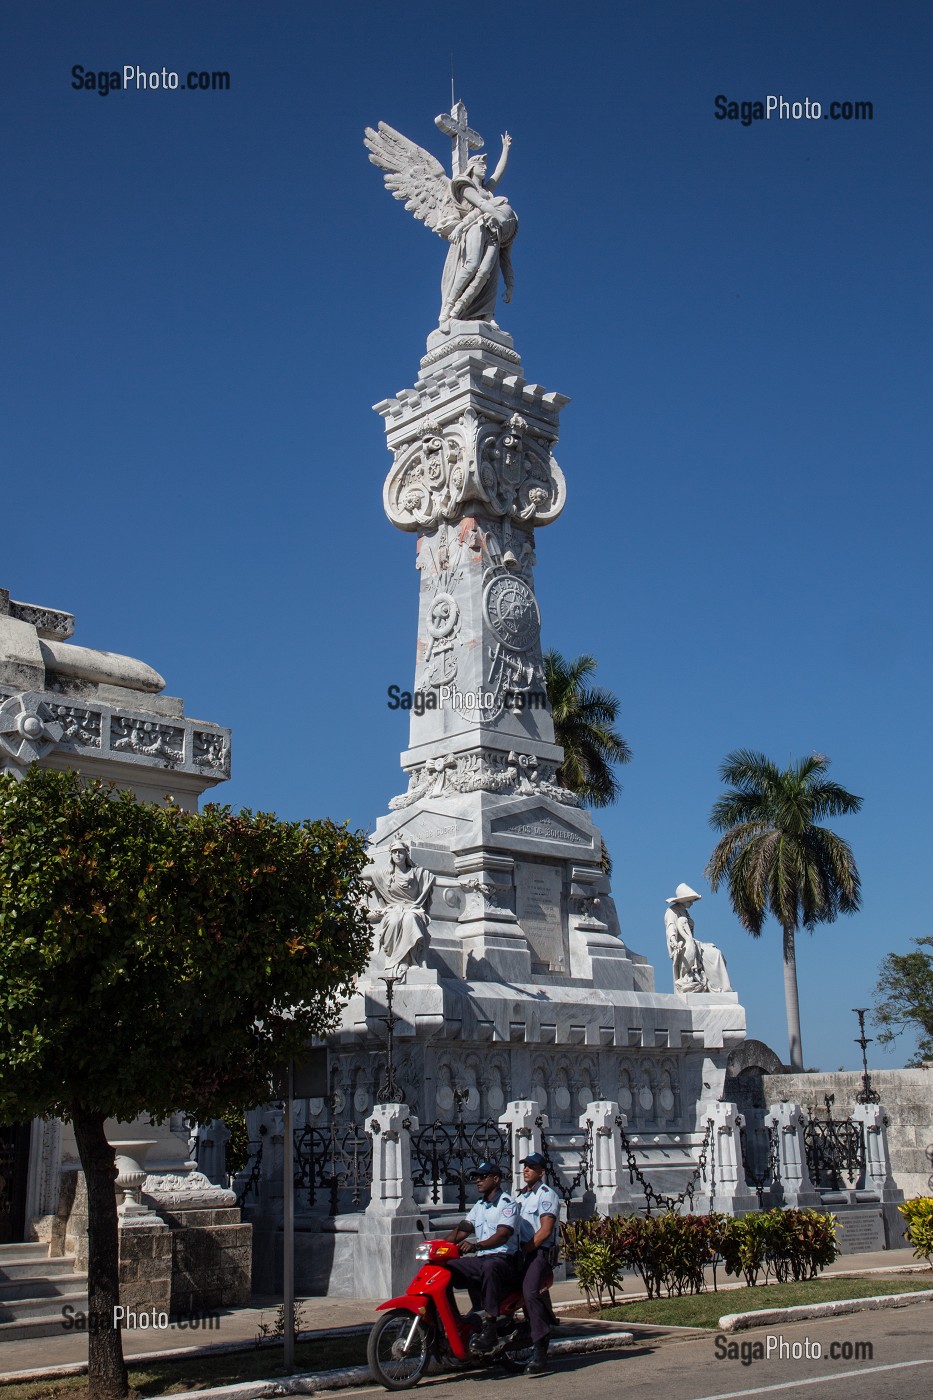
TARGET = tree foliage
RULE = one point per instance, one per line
(905, 997)
(584, 718)
(151, 959)
(777, 860)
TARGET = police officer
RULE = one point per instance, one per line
(489, 1271)
(540, 1214)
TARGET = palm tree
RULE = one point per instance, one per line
(583, 726)
(777, 860)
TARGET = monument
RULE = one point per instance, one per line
(489, 893)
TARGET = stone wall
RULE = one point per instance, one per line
(211, 1259)
(907, 1099)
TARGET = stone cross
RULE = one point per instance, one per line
(462, 136)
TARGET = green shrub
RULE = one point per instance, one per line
(670, 1253)
(918, 1213)
(786, 1243)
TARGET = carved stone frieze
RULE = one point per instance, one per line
(79, 726)
(188, 1190)
(505, 467)
(484, 771)
(34, 724)
(146, 736)
(211, 749)
(50, 623)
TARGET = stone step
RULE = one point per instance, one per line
(32, 1249)
(40, 1286)
(36, 1327)
(29, 1310)
(42, 1267)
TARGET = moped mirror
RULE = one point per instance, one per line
(420, 1224)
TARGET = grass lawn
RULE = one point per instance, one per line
(705, 1309)
(200, 1373)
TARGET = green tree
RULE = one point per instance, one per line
(905, 998)
(152, 958)
(584, 719)
(777, 861)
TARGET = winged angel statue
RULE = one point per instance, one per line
(479, 225)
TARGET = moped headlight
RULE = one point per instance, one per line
(423, 1251)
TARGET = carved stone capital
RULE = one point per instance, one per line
(500, 464)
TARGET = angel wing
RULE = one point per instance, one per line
(414, 176)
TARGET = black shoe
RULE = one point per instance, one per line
(487, 1336)
(538, 1363)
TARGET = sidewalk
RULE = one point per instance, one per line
(323, 1315)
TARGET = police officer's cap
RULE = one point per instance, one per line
(534, 1159)
(486, 1169)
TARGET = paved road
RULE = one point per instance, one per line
(900, 1366)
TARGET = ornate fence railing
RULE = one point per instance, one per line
(563, 1152)
(760, 1156)
(444, 1154)
(835, 1150)
(336, 1160)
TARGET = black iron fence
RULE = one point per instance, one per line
(760, 1155)
(334, 1161)
(835, 1150)
(444, 1154)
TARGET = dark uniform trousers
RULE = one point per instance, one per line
(536, 1310)
(488, 1276)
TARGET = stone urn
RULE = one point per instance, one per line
(131, 1154)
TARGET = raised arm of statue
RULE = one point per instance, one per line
(499, 171)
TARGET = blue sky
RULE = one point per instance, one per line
(205, 292)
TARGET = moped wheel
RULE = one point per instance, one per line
(399, 1349)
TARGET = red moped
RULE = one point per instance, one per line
(425, 1322)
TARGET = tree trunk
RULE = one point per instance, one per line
(790, 1000)
(107, 1378)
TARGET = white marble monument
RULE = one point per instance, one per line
(518, 981)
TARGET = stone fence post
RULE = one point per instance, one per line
(727, 1191)
(877, 1158)
(609, 1183)
(520, 1117)
(385, 1259)
(390, 1127)
(793, 1187)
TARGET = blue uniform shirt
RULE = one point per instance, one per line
(534, 1202)
(487, 1216)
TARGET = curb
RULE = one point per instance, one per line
(311, 1382)
(736, 1322)
(79, 1368)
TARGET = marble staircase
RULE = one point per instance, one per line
(34, 1291)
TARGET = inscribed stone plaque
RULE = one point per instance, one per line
(538, 906)
(859, 1231)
